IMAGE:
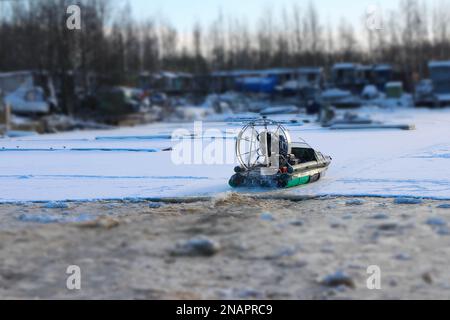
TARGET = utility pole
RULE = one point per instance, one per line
(5, 115)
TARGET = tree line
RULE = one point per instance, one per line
(116, 46)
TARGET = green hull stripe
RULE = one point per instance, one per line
(298, 181)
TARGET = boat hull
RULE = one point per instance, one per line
(279, 180)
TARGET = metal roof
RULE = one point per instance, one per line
(438, 64)
(266, 72)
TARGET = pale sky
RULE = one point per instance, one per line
(183, 13)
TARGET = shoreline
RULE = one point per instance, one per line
(265, 249)
(191, 199)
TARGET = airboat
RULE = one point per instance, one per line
(269, 158)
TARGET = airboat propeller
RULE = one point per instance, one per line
(268, 157)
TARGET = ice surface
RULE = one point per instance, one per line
(365, 162)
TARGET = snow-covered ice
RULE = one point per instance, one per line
(137, 163)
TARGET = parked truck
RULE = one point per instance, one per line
(435, 91)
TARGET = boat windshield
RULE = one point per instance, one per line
(300, 144)
(303, 152)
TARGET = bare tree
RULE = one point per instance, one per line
(117, 47)
(297, 26)
(347, 40)
(313, 32)
(217, 41)
(150, 46)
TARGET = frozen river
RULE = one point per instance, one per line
(139, 162)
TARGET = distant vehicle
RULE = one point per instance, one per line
(119, 100)
(340, 98)
(354, 77)
(381, 75)
(370, 92)
(304, 81)
(395, 96)
(424, 94)
(28, 100)
(257, 84)
(394, 90)
(347, 76)
(440, 85)
(287, 81)
(274, 110)
(166, 81)
(307, 94)
(28, 92)
(159, 99)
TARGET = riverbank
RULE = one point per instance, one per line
(231, 247)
